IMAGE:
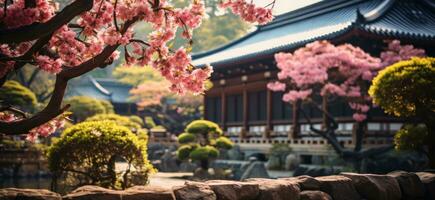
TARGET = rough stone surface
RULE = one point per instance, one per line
(234, 190)
(91, 192)
(28, 194)
(410, 184)
(194, 191)
(339, 187)
(148, 193)
(314, 195)
(376, 187)
(305, 182)
(428, 179)
(276, 189)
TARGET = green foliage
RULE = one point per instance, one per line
(83, 107)
(411, 137)
(118, 119)
(86, 154)
(136, 119)
(149, 123)
(406, 88)
(136, 75)
(204, 153)
(183, 151)
(201, 142)
(186, 138)
(203, 126)
(224, 143)
(15, 94)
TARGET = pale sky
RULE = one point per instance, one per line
(283, 6)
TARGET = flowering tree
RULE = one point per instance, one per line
(344, 71)
(85, 35)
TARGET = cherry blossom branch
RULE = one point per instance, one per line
(14, 110)
(53, 108)
(38, 30)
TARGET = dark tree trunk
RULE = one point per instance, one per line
(204, 164)
(431, 143)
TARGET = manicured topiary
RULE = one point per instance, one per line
(186, 138)
(122, 121)
(201, 142)
(406, 89)
(136, 119)
(14, 94)
(86, 154)
(83, 107)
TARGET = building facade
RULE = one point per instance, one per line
(255, 117)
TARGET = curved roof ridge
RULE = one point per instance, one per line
(99, 87)
(379, 11)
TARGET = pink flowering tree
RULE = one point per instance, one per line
(86, 34)
(335, 72)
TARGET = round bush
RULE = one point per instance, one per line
(186, 138)
(406, 88)
(86, 153)
(411, 137)
(224, 143)
(204, 153)
(83, 107)
(15, 94)
(183, 151)
(136, 119)
(202, 127)
(120, 120)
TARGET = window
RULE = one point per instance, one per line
(374, 126)
(345, 126)
(257, 106)
(213, 108)
(235, 108)
(282, 128)
(234, 130)
(280, 109)
(395, 126)
(257, 130)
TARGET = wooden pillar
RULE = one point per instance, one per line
(268, 114)
(245, 112)
(205, 110)
(295, 121)
(223, 110)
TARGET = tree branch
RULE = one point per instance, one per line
(53, 108)
(38, 30)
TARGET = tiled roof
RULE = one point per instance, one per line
(107, 89)
(326, 20)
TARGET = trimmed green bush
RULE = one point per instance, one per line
(203, 126)
(202, 140)
(411, 137)
(224, 143)
(136, 119)
(204, 153)
(14, 94)
(186, 138)
(86, 154)
(83, 107)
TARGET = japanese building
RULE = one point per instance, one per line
(255, 117)
(105, 89)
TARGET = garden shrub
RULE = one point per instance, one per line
(83, 107)
(201, 142)
(14, 94)
(86, 154)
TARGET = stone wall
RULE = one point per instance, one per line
(346, 186)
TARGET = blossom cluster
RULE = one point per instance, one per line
(44, 130)
(249, 11)
(344, 71)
